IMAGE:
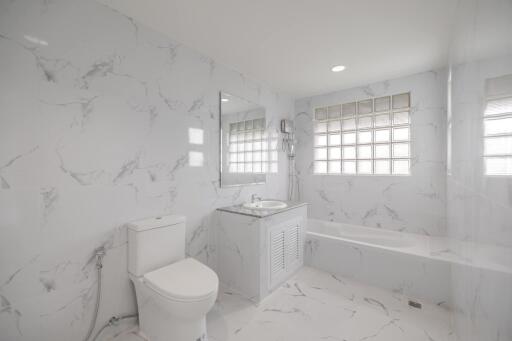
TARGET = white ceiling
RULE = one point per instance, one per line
(291, 45)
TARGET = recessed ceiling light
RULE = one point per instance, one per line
(225, 100)
(338, 68)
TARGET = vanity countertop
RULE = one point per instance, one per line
(259, 213)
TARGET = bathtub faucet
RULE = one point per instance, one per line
(254, 197)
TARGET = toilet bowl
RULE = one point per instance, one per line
(174, 298)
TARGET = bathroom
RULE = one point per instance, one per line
(315, 170)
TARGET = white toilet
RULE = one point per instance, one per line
(174, 293)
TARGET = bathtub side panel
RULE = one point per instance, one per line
(410, 275)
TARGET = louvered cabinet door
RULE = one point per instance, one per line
(285, 250)
(293, 241)
(277, 244)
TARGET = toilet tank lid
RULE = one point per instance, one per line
(155, 222)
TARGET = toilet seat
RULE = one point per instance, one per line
(186, 280)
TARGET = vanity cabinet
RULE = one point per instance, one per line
(259, 250)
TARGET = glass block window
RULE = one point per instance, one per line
(498, 136)
(370, 137)
(251, 148)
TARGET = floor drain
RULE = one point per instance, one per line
(415, 304)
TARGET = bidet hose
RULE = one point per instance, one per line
(99, 265)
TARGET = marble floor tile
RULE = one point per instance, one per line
(315, 305)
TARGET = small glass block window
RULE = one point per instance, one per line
(348, 124)
(382, 104)
(334, 125)
(334, 111)
(372, 137)
(335, 153)
(251, 149)
(348, 109)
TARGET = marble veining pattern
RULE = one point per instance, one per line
(414, 203)
(94, 116)
(479, 207)
(315, 305)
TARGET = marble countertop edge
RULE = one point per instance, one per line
(258, 213)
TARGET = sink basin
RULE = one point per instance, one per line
(265, 205)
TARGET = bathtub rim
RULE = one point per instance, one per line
(423, 247)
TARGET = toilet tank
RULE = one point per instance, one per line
(154, 243)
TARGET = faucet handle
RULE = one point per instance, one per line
(254, 197)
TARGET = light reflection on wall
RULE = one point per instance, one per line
(195, 136)
(195, 159)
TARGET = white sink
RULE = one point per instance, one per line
(265, 205)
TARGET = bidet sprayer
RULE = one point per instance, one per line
(100, 253)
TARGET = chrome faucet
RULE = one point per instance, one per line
(254, 197)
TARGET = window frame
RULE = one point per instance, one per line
(489, 136)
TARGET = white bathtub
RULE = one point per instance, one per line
(360, 234)
(414, 265)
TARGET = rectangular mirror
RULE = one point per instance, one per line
(247, 150)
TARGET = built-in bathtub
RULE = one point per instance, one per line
(414, 265)
(360, 234)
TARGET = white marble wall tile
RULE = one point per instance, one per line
(94, 133)
(413, 203)
(479, 208)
